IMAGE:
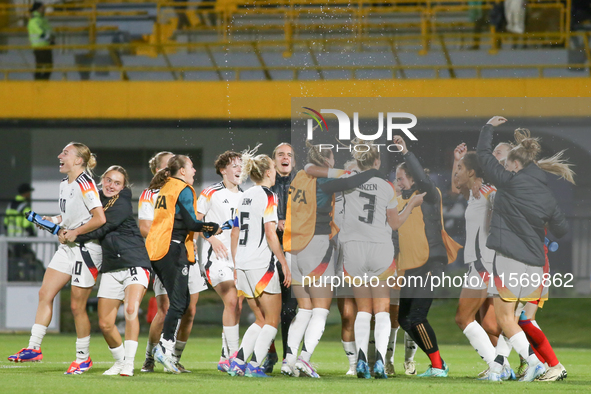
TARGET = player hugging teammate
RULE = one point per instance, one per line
(510, 212)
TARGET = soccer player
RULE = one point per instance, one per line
(523, 205)
(423, 253)
(197, 283)
(309, 229)
(80, 212)
(284, 159)
(255, 246)
(467, 178)
(218, 203)
(368, 252)
(170, 246)
(125, 269)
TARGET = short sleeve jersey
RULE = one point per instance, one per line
(258, 205)
(219, 204)
(76, 201)
(478, 214)
(146, 204)
(365, 216)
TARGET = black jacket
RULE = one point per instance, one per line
(120, 237)
(523, 206)
(431, 209)
(281, 188)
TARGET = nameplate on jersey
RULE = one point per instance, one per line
(368, 186)
(247, 201)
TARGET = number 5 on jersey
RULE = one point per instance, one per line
(244, 227)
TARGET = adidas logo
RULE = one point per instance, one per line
(134, 279)
(81, 352)
(76, 280)
(225, 201)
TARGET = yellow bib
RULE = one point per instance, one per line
(160, 235)
(300, 217)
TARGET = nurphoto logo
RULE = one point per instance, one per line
(392, 123)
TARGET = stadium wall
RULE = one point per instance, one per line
(264, 100)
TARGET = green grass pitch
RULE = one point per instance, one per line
(566, 322)
(201, 356)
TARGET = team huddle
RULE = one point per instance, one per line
(276, 242)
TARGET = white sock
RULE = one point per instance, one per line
(503, 346)
(224, 352)
(261, 347)
(179, 347)
(118, 352)
(37, 333)
(296, 332)
(149, 347)
(362, 329)
(392, 344)
(248, 341)
(82, 349)
(314, 332)
(410, 348)
(167, 346)
(351, 353)
(232, 334)
(130, 351)
(382, 335)
(480, 342)
(521, 345)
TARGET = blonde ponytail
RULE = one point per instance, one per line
(317, 156)
(366, 158)
(528, 150)
(558, 166)
(88, 158)
(254, 166)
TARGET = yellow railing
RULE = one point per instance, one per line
(397, 70)
(359, 18)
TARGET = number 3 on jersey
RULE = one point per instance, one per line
(370, 207)
(244, 227)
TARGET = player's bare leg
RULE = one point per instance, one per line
(53, 282)
(468, 306)
(348, 311)
(230, 320)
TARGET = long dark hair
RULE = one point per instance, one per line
(175, 163)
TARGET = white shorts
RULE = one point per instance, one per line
(114, 283)
(218, 270)
(83, 264)
(313, 262)
(197, 282)
(478, 276)
(368, 258)
(517, 281)
(252, 283)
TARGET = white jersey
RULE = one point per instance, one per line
(146, 205)
(339, 210)
(365, 212)
(478, 214)
(77, 199)
(258, 206)
(218, 204)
